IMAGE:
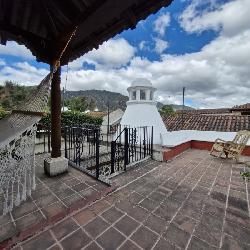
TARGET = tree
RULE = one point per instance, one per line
(92, 105)
(13, 94)
(77, 104)
(3, 113)
(167, 110)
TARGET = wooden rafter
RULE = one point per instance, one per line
(44, 26)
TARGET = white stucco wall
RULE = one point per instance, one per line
(144, 114)
(171, 139)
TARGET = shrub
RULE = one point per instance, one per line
(3, 113)
(71, 118)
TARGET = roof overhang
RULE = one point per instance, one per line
(44, 26)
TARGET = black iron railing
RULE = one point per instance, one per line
(131, 145)
(43, 139)
(89, 149)
(81, 147)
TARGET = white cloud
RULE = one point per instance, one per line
(161, 23)
(14, 49)
(2, 62)
(111, 54)
(143, 45)
(160, 45)
(23, 73)
(231, 18)
(216, 76)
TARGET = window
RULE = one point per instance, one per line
(142, 95)
(134, 95)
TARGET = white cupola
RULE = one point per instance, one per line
(141, 90)
(141, 109)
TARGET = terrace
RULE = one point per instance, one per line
(194, 201)
(189, 201)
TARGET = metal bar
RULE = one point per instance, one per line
(65, 142)
(144, 142)
(113, 147)
(44, 142)
(183, 102)
(126, 146)
(97, 153)
(140, 146)
(49, 142)
(152, 142)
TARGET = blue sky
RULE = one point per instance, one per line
(200, 44)
(180, 42)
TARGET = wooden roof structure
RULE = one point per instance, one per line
(44, 26)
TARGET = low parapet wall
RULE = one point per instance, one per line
(171, 152)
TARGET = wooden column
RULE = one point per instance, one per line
(56, 114)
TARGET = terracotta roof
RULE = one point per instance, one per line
(97, 113)
(208, 122)
(245, 106)
(205, 111)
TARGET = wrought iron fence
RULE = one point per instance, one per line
(82, 147)
(43, 139)
(131, 145)
(92, 150)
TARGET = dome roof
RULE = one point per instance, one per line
(141, 82)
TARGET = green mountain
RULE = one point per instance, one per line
(103, 98)
(13, 94)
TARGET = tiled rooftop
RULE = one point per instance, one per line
(208, 122)
(204, 111)
(245, 106)
(193, 202)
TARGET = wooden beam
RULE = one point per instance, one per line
(1, 10)
(81, 17)
(59, 13)
(4, 26)
(26, 15)
(51, 26)
(13, 14)
(79, 5)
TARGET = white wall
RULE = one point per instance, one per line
(171, 139)
(144, 114)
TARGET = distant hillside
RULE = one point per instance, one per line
(116, 100)
(102, 98)
(13, 94)
(179, 107)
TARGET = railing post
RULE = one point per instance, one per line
(152, 142)
(97, 153)
(126, 146)
(144, 142)
(113, 146)
(49, 143)
(65, 141)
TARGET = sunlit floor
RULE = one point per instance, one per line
(193, 202)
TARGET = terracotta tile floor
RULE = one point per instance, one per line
(193, 202)
(52, 196)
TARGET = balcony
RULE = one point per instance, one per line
(194, 201)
